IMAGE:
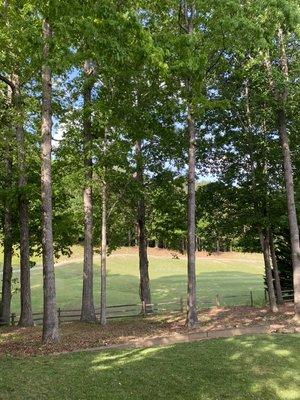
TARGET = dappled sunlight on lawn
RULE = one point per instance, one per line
(244, 368)
(236, 369)
(109, 361)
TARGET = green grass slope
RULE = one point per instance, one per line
(234, 276)
(245, 368)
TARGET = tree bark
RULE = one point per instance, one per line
(145, 294)
(26, 318)
(275, 270)
(186, 24)
(265, 245)
(192, 317)
(50, 320)
(87, 308)
(5, 306)
(289, 181)
(103, 318)
(7, 251)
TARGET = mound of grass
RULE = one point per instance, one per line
(234, 276)
(245, 368)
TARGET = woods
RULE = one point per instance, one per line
(172, 124)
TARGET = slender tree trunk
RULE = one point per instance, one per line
(7, 254)
(87, 308)
(103, 318)
(265, 245)
(186, 21)
(50, 320)
(289, 181)
(275, 270)
(192, 317)
(6, 294)
(145, 293)
(7, 233)
(26, 318)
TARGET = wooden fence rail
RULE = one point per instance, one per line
(175, 306)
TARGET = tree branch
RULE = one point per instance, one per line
(215, 63)
(180, 14)
(8, 82)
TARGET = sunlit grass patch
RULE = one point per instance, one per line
(244, 368)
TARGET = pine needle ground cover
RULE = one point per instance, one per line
(244, 368)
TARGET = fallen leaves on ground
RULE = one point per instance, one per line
(17, 341)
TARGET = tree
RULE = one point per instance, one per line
(141, 228)
(26, 318)
(50, 319)
(103, 293)
(288, 177)
(7, 246)
(87, 309)
(277, 66)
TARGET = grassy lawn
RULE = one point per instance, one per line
(260, 368)
(233, 276)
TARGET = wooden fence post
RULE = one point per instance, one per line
(181, 304)
(143, 307)
(13, 319)
(217, 300)
(251, 298)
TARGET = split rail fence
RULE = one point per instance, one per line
(175, 306)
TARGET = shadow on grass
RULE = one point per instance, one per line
(209, 284)
(247, 368)
(123, 289)
(238, 368)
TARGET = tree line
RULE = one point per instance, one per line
(111, 112)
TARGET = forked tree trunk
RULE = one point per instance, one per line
(103, 318)
(289, 182)
(26, 318)
(50, 320)
(192, 317)
(87, 308)
(275, 270)
(145, 294)
(265, 245)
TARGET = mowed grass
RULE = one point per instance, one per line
(234, 275)
(245, 368)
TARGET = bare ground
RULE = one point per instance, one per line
(15, 341)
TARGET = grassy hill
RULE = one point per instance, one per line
(232, 274)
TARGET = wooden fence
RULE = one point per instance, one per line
(175, 306)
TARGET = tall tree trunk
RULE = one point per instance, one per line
(265, 245)
(26, 318)
(145, 294)
(275, 269)
(192, 317)
(87, 308)
(50, 320)
(289, 181)
(7, 251)
(103, 319)
(186, 24)
(6, 294)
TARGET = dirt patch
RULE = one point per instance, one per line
(16, 341)
(165, 253)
